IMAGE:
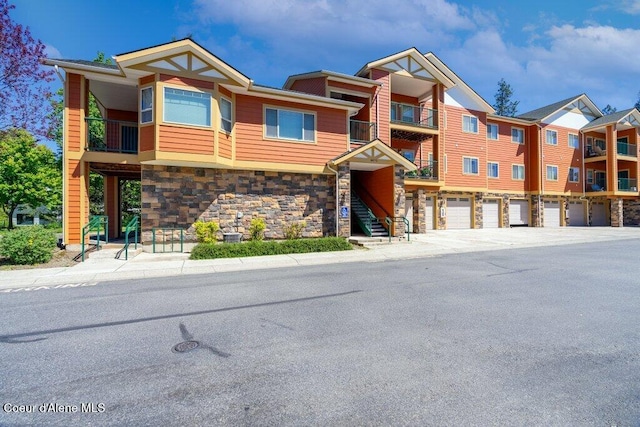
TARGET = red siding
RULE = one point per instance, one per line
(186, 140)
(74, 117)
(383, 105)
(147, 138)
(184, 81)
(461, 144)
(224, 144)
(507, 154)
(562, 156)
(315, 86)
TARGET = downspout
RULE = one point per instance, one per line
(335, 171)
(541, 145)
(64, 166)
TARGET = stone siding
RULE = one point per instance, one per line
(179, 196)
(617, 215)
(631, 211)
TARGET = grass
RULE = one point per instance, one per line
(261, 248)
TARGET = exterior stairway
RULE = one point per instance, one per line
(365, 218)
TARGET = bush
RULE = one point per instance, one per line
(28, 245)
(206, 231)
(293, 230)
(259, 248)
(256, 230)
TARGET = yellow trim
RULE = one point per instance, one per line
(422, 182)
(524, 138)
(295, 110)
(164, 85)
(467, 189)
(114, 158)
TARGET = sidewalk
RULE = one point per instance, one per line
(434, 243)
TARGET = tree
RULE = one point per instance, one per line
(609, 110)
(28, 173)
(23, 80)
(504, 106)
(638, 102)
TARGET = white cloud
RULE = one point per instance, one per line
(51, 51)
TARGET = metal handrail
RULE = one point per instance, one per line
(132, 226)
(95, 224)
(420, 115)
(164, 240)
(117, 136)
(625, 149)
(365, 223)
(378, 205)
(391, 220)
(360, 131)
(427, 170)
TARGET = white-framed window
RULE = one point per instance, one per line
(574, 174)
(187, 107)
(517, 172)
(517, 135)
(589, 176)
(226, 115)
(574, 142)
(552, 173)
(551, 137)
(146, 105)
(470, 165)
(493, 170)
(289, 124)
(492, 131)
(469, 124)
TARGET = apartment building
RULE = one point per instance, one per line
(403, 144)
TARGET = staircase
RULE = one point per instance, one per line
(366, 219)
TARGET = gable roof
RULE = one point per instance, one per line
(581, 102)
(332, 76)
(630, 118)
(373, 155)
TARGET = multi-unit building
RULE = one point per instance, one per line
(404, 144)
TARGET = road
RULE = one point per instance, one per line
(539, 336)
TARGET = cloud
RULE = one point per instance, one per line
(51, 51)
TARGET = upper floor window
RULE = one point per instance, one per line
(470, 165)
(146, 105)
(492, 169)
(552, 137)
(470, 124)
(517, 135)
(225, 115)
(517, 172)
(552, 173)
(187, 107)
(287, 124)
(574, 142)
(492, 131)
(574, 174)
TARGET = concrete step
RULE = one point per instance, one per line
(112, 252)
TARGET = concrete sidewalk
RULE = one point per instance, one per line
(148, 265)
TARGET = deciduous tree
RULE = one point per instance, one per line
(23, 79)
(504, 106)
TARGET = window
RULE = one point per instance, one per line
(470, 165)
(146, 105)
(225, 115)
(517, 172)
(492, 131)
(552, 173)
(286, 124)
(517, 135)
(589, 176)
(409, 155)
(552, 137)
(574, 174)
(492, 170)
(573, 141)
(187, 107)
(470, 124)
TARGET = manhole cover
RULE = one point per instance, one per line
(185, 346)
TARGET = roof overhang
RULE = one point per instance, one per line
(625, 120)
(333, 77)
(373, 156)
(582, 105)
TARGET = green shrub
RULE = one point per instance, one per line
(256, 230)
(28, 245)
(293, 230)
(206, 232)
(259, 248)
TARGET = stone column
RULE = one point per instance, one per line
(537, 211)
(505, 211)
(441, 222)
(477, 214)
(419, 211)
(617, 213)
(400, 201)
(344, 199)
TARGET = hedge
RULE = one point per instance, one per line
(28, 245)
(259, 248)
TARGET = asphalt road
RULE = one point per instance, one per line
(540, 336)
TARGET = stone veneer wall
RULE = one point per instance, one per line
(617, 214)
(631, 212)
(179, 196)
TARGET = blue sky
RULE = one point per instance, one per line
(547, 50)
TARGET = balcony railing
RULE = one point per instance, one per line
(426, 170)
(362, 131)
(111, 136)
(414, 115)
(625, 149)
(627, 184)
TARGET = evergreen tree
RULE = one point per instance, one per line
(504, 106)
(609, 110)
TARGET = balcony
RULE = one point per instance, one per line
(628, 184)
(111, 136)
(624, 149)
(426, 171)
(414, 115)
(361, 132)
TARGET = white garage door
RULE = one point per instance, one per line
(518, 212)
(428, 214)
(490, 213)
(458, 213)
(599, 215)
(577, 214)
(552, 214)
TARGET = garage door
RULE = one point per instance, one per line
(577, 214)
(518, 212)
(552, 214)
(428, 214)
(599, 215)
(458, 213)
(490, 213)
